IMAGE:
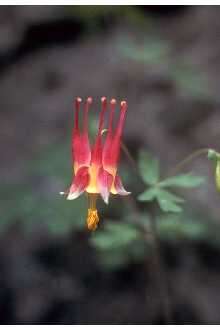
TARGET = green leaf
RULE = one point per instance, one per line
(168, 205)
(118, 244)
(148, 195)
(168, 202)
(115, 236)
(176, 227)
(183, 181)
(148, 167)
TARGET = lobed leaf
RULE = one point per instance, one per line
(183, 181)
(168, 202)
(148, 195)
(148, 167)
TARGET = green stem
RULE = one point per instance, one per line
(158, 269)
(160, 273)
(130, 158)
(188, 159)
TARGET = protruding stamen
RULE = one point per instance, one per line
(78, 100)
(112, 106)
(124, 105)
(86, 109)
(101, 120)
(92, 217)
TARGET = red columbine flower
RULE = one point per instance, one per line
(96, 169)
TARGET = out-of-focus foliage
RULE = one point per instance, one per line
(214, 156)
(184, 227)
(119, 243)
(149, 168)
(168, 202)
(93, 17)
(157, 55)
(36, 200)
(153, 52)
(131, 239)
(182, 181)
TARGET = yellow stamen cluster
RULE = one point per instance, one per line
(92, 219)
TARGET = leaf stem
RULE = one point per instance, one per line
(188, 159)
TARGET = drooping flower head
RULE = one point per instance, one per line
(95, 169)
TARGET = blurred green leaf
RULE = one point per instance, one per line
(154, 51)
(168, 205)
(148, 167)
(190, 81)
(183, 181)
(168, 202)
(115, 235)
(176, 227)
(36, 201)
(148, 195)
(119, 243)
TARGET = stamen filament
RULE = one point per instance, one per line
(104, 107)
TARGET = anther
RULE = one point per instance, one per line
(104, 106)
(89, 100)
(113, 101)
(92, 219)
(124, 105)
(103, 99)
(78, 99)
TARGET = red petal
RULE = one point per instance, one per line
(97, 149)
(80, 142)
(105, 180)
(112, 145)
(80, 183)
(107, 152)
(119, 188)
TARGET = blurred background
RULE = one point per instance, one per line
(165, 61)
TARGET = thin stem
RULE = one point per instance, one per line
(162, 280)
(158, 267)
(128, 154)
(188, 159)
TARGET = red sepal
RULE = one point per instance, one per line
(111, 148)
(80, 183)
(104, 181)
(81, 151)
(119, 188)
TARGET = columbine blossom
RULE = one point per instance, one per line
(95, 169)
